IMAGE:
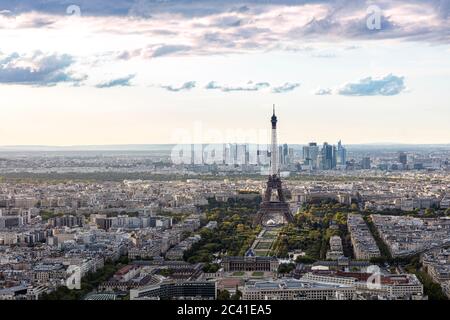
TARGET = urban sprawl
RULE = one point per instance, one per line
(369, 223)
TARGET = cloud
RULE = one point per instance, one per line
(443, 9)
(5, 12)
(250, 86)
(229, 21)
(325, 55)
(284, 19)
(36, 23)
(212, 85)
(386, 86)
(117, 82)
(128, 54)
(323, 91)
(37, 69)
(240, 9)
(215, 27)
(184, 87)
(168, 50)
(285, 87)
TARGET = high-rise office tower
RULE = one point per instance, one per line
(334, 158)
(241, 151)
(224, 153)
(320, 161)
(402, 158)
(307, 155)
(263, 155)
(290, 158)
(227, 154)
(365, 163)
(327, 156)
(310, 155)
(285, 154)
(280, 155)
(341, 154)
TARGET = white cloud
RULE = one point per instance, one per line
(286, 87)
(37, 68)
(250, 86)
(117, 82)
(384, 86)
(165, 50)
(323, 91)
(184, 87)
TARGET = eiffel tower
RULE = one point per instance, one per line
(274, 212)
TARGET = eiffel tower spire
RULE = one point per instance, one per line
(274, 146)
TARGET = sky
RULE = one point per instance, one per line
(90, 72)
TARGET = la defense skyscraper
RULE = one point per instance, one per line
(274, 211)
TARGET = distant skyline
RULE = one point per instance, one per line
(142, 72)
(169, 147)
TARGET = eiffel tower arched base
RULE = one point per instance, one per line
(274, 212)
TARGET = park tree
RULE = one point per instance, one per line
(286, 268)
(340, 218)
(237, 295)
(429, 212)
(223, 295)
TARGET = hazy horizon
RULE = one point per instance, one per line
(168, 146)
